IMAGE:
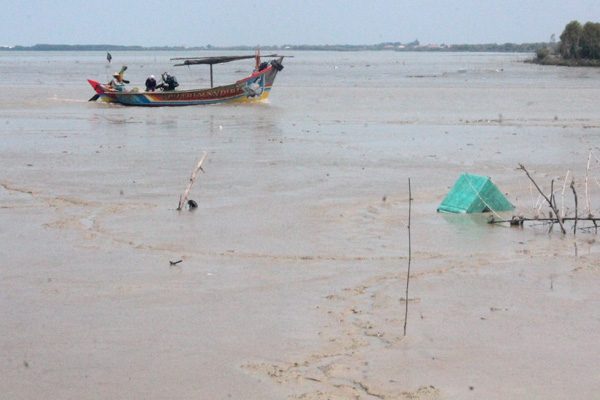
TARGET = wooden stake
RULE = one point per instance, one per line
(184, 197)
(409, 259)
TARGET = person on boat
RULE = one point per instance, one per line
(116, 84)
(169, 82)
(150, 84)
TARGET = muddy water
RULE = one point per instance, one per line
(293, 268)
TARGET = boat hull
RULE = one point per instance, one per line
(251, 89)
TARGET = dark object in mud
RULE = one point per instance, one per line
(192, 204)
(175, 262)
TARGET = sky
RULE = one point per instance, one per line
(193, 23)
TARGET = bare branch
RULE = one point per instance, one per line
(550, 203)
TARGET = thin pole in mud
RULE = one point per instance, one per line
(409, 259)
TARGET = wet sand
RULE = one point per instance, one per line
(292, 277)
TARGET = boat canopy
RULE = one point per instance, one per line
(219, 60)
(214, 60)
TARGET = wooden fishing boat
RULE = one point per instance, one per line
(255, 87)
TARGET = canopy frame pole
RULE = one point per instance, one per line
(211, 76)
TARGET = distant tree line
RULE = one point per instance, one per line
(489, 47)
(85, 47)
(393, 46)
(579, 46)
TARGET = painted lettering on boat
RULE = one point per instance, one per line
(206, 95)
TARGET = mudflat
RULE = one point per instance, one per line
(292, 275)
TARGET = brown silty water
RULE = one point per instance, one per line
(292, 280)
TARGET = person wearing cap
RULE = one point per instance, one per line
(116, 83)
(150, 84)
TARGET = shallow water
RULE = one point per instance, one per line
(293, 266)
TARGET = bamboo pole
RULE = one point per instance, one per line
(184, 197)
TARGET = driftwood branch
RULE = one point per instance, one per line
(198, 168)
